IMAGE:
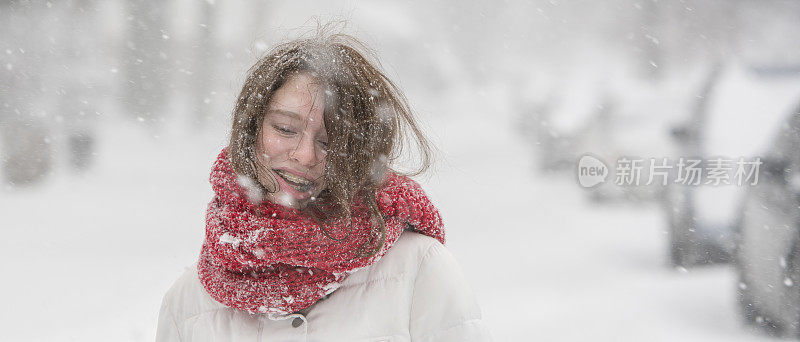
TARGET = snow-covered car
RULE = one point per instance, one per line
(634, 126)
(768, 248)
(611, 119)
(736, 118)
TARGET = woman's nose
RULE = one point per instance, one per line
(305, 152)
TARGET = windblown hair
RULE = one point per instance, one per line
(367, 119)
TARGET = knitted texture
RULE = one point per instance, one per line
(266, 258)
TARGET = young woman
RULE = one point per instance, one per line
(311, 235)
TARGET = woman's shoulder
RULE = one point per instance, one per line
(411, 247)
(411, 242)
(424, 252)
(187, 297)
(403, 260)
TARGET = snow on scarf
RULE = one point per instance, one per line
(267, 258)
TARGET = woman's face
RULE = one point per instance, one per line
(293, 143)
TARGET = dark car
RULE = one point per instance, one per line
(736, 116)
(768, 246)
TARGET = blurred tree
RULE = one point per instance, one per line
(649, 45)
(206, 52)
(700, 32)
(76, 80)
(25, 152)
(145, 58)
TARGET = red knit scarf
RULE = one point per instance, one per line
(267, 258)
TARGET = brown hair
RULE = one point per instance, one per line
(367, 119)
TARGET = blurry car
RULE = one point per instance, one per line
(768, 248)
(611, 119)
(634, 126)
(557, 123)
(736, 116)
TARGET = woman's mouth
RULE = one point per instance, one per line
(298, 183)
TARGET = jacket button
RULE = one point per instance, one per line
(297, 321)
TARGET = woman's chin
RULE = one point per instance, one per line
(286, 200)
(290, 200)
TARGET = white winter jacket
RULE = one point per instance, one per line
(416, 292)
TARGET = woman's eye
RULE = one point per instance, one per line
(284, 130)
(324, 144)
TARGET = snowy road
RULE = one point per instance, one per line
(549, 265)
(88, 258)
